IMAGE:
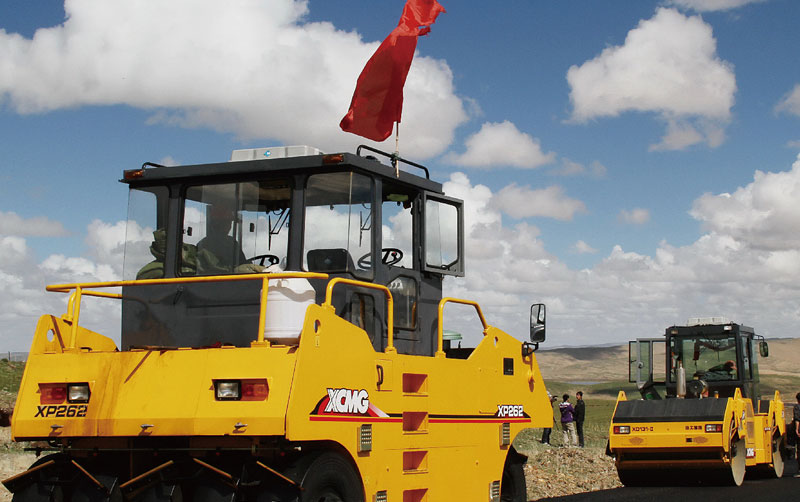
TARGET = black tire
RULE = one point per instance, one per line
(331, 478)
(45, 487)
(512, 486)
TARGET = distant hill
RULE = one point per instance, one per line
(603, 364)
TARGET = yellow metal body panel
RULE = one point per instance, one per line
(440, 426)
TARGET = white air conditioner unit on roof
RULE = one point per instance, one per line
(274, 152)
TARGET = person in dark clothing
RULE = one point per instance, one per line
(796, 427)
(547, 430)
(218, 252)
(580, 414)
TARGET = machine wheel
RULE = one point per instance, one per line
(738, 463)
(774, 469)
(45, 488)
(331, 478)
(635, 477)
(512, 486)
(160, 493)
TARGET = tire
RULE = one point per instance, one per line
(331, 478)
(512, 485)
(45, 488)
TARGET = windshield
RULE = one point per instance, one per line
(338, 224)
(706, 357)
(235, 228)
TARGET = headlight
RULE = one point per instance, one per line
(622, 429)
(227, 391)
(78, 393)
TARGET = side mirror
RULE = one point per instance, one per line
(763, 349)
(537, 322)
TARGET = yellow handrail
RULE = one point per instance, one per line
(74, 302)
(389, 303)
(442, 302)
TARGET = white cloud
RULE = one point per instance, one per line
(636, 216)
(255, 69)
(551, 202)
(791, 102)
(711, 5)
(582, 247)
(502, 145)
(13, 224)
(668, 65)
(762, 215)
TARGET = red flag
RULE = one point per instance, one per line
(378, 99)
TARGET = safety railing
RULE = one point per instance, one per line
(389, 304)
(442, 303)
(82, 289)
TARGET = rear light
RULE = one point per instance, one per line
(253, 389)
(132, 174)
(622, 429)
(57, 393)
(335, 158)
(52, 393)
(713, 427)
(78, 393)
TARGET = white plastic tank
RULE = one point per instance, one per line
(287, 301)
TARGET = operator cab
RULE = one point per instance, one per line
(717, 357)
(286, 209)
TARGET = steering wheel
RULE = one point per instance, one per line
(271, 258)
(389, 256)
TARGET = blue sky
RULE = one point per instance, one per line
(608, 151)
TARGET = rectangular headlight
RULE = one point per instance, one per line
(622, 429)
(78, 393)
(227, 390)
(713, 427)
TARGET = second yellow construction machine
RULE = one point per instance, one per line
(282, 340)
(712, 426)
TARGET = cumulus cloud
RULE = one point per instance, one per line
(523, 202)
(711, 5)
(635, 216)
(255, 69)
(668, 65)
(761, 215)
(791, 102)
(502, 145)
(13, 224)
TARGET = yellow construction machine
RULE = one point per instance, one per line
(713, 425)
(282, 339)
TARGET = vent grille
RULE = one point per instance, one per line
(381, 496)
(365, 438)
(494, 491)
(505, 434)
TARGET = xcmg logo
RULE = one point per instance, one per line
(349, 401)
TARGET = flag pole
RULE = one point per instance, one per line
(396, 149)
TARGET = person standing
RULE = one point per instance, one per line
(580, 414)
(568, 422)
(796, 426)
(547, 430)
